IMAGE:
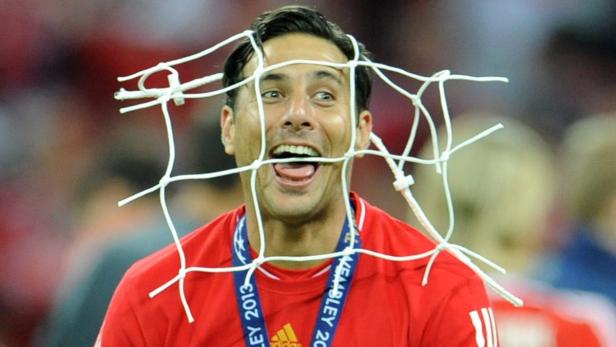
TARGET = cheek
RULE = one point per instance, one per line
(338, 129)
(247, 140)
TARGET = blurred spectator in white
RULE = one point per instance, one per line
(503, 189)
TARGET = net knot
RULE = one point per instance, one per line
(175, 89)
(165, 180)
(255, 165)
(442, 246)
(403, 183)
(350, 154)
(258, 261)
(445, 156)
(443, 75)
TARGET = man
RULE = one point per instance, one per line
(378, 302)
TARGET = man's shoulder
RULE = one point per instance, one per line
(387, 231)
(440, 297)
(387, 234)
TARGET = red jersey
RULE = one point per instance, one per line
(551, 317)
(386, 306)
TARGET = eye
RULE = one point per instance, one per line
(324, 97)
(271, 95)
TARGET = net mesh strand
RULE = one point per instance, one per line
(179, 92)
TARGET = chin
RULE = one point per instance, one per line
(292, 213)
(291, 209)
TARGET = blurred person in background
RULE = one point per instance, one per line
(119, 167)
(79, 310)
(588, 160)
(575, 71)
(503, 189)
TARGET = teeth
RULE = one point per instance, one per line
(298, 150)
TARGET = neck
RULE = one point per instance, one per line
(317, 236)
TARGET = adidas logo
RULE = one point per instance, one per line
(285, 337)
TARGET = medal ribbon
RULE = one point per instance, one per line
(332, 302)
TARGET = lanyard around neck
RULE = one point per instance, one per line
(332, 302)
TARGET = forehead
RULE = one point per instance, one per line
(297, 46)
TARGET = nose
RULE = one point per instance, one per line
(298, 116)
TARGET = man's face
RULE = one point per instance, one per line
(307, 113)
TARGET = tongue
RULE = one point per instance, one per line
(295, 171)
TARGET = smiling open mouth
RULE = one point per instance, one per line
(300, 171)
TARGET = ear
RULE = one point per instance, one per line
(364, 129)
(227, 127)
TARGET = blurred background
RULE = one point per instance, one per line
(67, 155)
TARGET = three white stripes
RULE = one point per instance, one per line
(486, 319)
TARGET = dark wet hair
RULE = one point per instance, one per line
(296, 19)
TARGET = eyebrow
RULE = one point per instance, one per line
(319, 74)
(274, 77)
(323, 74)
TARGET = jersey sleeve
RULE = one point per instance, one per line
(463, 318)
(121, 326)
